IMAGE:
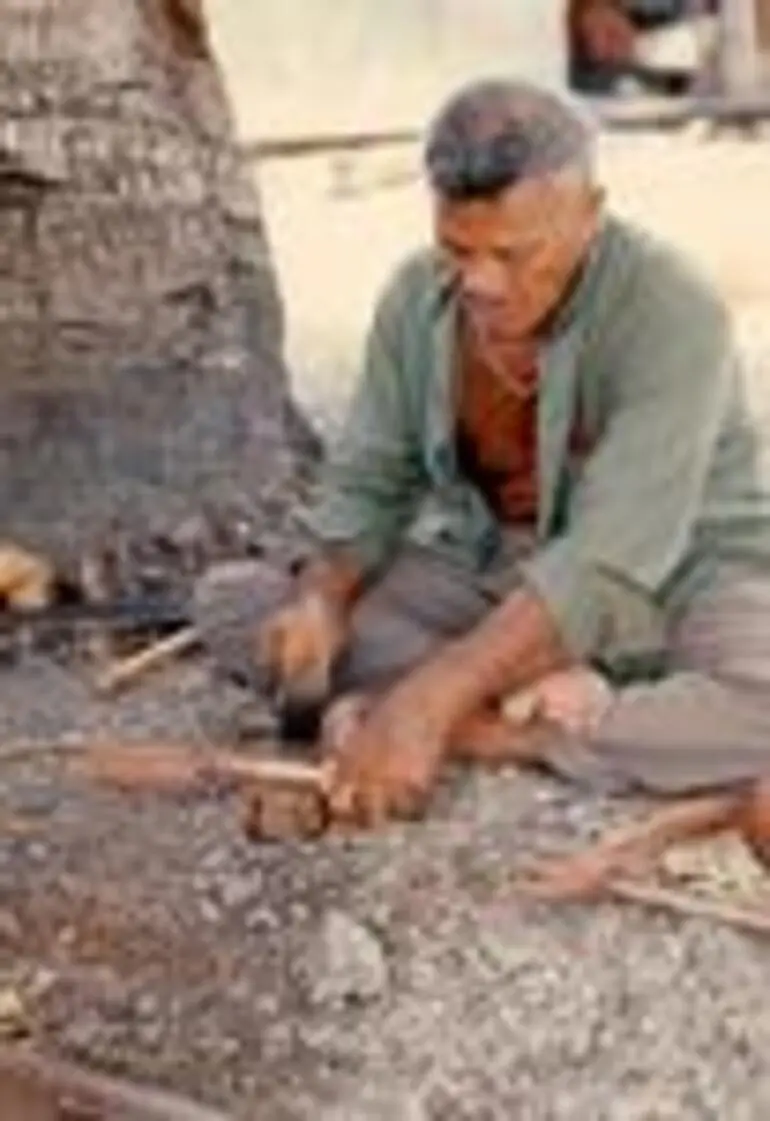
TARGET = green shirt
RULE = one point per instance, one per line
(645, 349)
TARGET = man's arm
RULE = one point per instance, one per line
(594, 591)
(374, 477)
(336, 575)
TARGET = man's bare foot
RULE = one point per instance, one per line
(573, 700)
(487, 739)
(484, 738)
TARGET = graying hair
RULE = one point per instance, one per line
(494, 133)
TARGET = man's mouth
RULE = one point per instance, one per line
(484, 315)
(491, 326)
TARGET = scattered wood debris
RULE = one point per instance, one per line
(129, 585)
(127, 671)
(753, 920)
(27, 580)
(14, 1016)
(17, 825)
(100, 583)
(36, 1088)
(182, 766)
(283, 799)
(716, 845)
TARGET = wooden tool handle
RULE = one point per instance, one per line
(169, 766)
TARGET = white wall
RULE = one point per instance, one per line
(298, 65)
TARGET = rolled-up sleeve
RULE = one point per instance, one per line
(632, 515)
(374, 476)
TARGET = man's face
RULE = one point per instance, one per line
(513, 256)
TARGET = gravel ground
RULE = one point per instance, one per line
(383, 977)
(380, 977)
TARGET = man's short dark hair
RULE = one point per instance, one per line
(493, 134)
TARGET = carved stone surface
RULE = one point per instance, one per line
(141, 329)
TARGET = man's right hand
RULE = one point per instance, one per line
(297, 647)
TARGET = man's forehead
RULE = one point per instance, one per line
(515, 214)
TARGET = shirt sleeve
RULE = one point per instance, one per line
(374, 476)
(631, 519)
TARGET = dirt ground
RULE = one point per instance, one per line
(393, 976)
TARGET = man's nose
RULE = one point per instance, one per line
(482, 281)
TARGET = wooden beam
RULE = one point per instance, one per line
(283, 147)
(634, 114)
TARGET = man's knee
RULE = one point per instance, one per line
(421, 602)
(438, 595)
(575, 701)
(382, 648)
(687, 733)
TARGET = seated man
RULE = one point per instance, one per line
(548, 485)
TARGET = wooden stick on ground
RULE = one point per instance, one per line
(586, 874)
(26, 579)
(655, 896)
(34, 1087)
(38, 749)
(128, 670)
(283, 799)
(158, 766)
(99, 582)
(602, 871)
(751, 920)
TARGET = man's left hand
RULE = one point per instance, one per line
(388, 760)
